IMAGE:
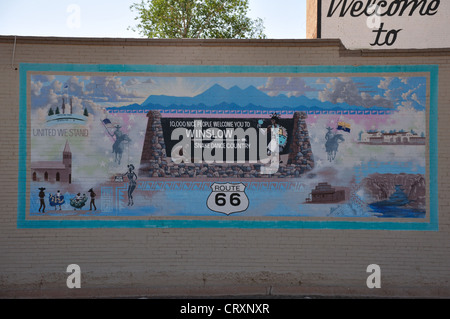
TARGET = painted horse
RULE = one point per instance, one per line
(332, 145)
(119, 144)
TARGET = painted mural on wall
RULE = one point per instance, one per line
(242, 146)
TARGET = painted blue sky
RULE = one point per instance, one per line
(116, 91)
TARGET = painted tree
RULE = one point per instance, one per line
(201, 19)
(50, 112)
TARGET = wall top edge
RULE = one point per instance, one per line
(181, 42)
(337, 43)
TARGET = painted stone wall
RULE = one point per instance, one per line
(155, 161)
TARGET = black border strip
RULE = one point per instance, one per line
(319, 19)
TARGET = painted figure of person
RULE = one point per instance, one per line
(329, 134)
(332, 143)
(118, 134)
(132, 177)
(59, 199)
(119, 144)
(278, 135)
(78, 201)
(42, 199)
(92, 194)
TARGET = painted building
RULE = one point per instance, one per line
(54, 171)
(176, 225)
(324, 193)
(393, 138)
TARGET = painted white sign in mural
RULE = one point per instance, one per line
(386, 24)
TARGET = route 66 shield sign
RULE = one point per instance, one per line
(228, 198)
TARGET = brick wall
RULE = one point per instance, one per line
(160, 261)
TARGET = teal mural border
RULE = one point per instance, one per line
(432, 225)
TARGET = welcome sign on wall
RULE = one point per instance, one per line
(228, 146)
(385, 24)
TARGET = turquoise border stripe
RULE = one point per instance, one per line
(22, 172)
(86, 68)
(433, 144)
(432, 225)
(226, 224)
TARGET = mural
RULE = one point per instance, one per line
(352, 146)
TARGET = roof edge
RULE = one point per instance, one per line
(178, 42)
(343, 51)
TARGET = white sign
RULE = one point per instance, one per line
(228, 198)
(386, 24)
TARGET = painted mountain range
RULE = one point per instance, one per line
(218, 97)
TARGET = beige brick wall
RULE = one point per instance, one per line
(120, 262)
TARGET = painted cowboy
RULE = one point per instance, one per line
(42, 199)
(92, 194)
(119, 144)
